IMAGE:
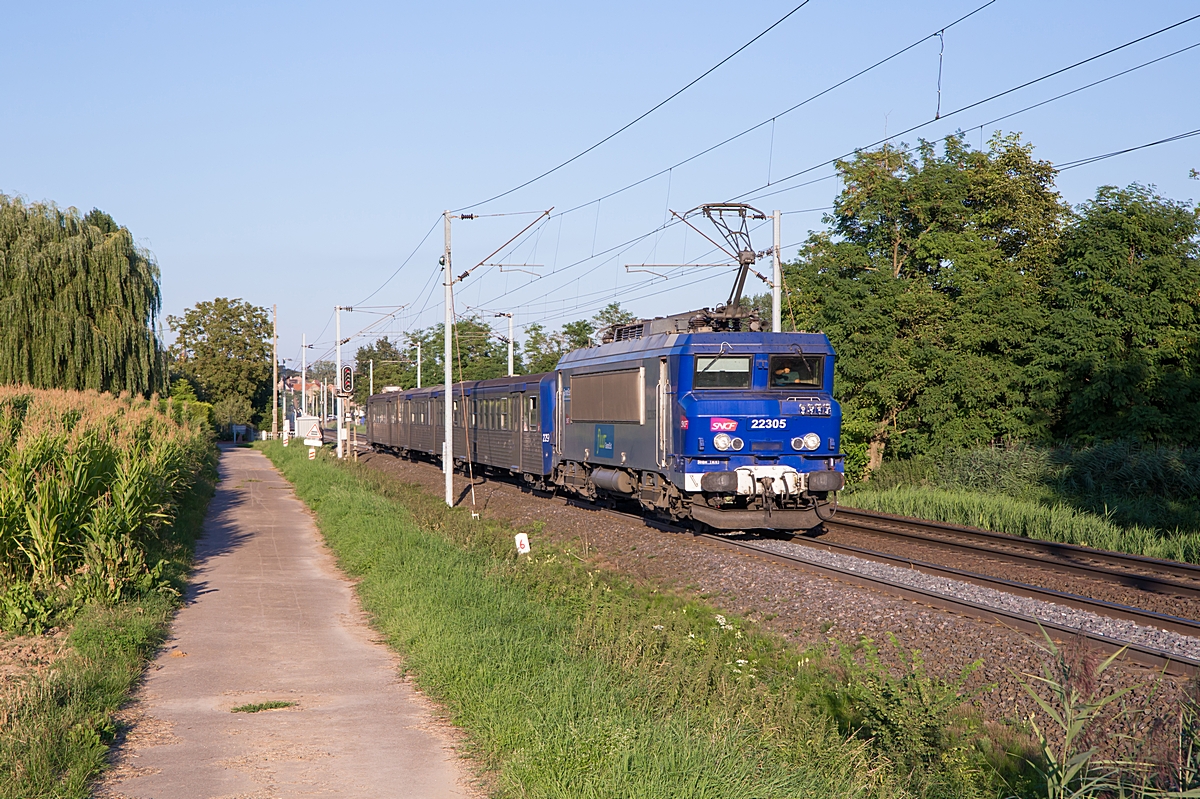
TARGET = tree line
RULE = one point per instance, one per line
(969, 304)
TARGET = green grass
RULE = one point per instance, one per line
(258, 707)
(570, 682)
(55, 730)
(1027, 518)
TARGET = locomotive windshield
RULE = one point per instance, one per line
(797, 371)
(722, 371)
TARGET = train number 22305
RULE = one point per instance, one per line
(768, 424)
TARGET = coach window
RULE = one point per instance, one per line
(531, 417)
(722, 371)
(797, 371)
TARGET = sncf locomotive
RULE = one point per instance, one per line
(691, 416)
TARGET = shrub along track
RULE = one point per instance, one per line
(807, 608)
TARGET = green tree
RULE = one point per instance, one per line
(391, 368)
(928, 285)
(1125, 299)
(79, 302)
(223, 347)
(542, 349)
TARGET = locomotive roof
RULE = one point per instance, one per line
(693, 343)
(658, 344)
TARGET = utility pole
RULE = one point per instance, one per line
(448, 441)
(337, 311)
(418, 363)
(372, 376)
(510, 342)
(776, 281)
(304, 374)
(274, 371)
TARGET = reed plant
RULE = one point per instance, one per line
(89, 482)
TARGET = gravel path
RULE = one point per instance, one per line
(1120, 629)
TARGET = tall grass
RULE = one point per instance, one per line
(55, 729)
(1027, 518)
(88, 484)
(571, 682)
(1119, 496)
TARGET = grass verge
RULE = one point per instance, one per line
(55, 730)
(574, 683)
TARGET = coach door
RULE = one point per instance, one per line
(663, 413)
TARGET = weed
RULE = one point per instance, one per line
(258, 707)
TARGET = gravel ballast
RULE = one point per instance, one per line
(806, 608)
(1123, 630)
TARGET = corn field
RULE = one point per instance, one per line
(89, 485)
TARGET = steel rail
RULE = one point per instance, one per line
(968, 539)
(1153, 657)
(1066, 552)
(1144, 654)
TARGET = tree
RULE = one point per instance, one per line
(223, 347)
(391, 368)
(612, 314)
(79, 302)
(542, 349)
(928, 286)
(1125, 299)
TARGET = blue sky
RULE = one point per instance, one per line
(296, 154)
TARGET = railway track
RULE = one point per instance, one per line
(1147, 654)
(1132, 573)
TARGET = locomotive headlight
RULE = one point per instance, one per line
(737, 444)
(721, 441)
(808, 441)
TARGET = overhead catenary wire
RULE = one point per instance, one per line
(633, 241)
(978, 103)
(969, 106)
(641, 116)
(1093, 159)
(783, 113)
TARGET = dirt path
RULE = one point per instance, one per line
(269, 618)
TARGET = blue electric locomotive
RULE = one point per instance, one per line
(694, 419)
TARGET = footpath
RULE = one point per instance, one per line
(268, 618)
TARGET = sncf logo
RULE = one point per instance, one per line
(718, 424)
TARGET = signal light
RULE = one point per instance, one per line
(347, 381)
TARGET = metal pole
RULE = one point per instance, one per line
(304, 374)
(448, 420)
(372, 362)
(274, 371)
(510, 346)
(338, 380)
(418, 364)
(776, 281)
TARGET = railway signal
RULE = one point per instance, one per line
(347, 381)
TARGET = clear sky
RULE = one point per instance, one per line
(296, 154)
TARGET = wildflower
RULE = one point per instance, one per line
(721, 620)
(658, 627)
(741, 662)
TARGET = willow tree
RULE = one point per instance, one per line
(78, 302)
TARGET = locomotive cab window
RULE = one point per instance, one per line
(722, 371)
(797, 371)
